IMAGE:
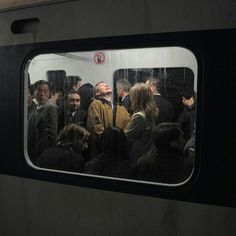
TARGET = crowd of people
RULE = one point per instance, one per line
(83, 130)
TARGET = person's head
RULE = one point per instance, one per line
(87, 93)
(114, 140)
(30, 94)
(42, 92)
(187, 96)
(123, 86)
(103, 89)
(56, 96)
(73, 101)
(154, 84)
(74, 82)
(169, 135)
(141, 98)
(73, 136)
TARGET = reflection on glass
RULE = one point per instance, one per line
(118, 113)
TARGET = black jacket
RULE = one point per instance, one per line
(61, 158)
(164, 167)
(109, 164)
(166, 109)
(42, 129)
(186, 121)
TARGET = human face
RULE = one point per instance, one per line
(73, 102)
(184, 100)
(104, 88)
(42, 94)
(119, 91)
(188, 102)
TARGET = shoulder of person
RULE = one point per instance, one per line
(120, 107)
(95, 103)
(139, 114)
(49, 104)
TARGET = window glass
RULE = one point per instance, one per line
(127, 114)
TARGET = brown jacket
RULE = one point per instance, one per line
(100, 116)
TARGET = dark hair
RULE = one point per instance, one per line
(71, 92)
(73, 136)
(31, 89)
(41, 82)
(187, 93)
(165, 133)
(54, 91)
(72, 80)
(114, 140)
(87, 93)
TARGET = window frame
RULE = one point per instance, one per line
(106, 181)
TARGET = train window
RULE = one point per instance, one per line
(127, 114)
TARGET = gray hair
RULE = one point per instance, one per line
(124, 83)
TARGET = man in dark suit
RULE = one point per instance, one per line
(166, 109)
(72, 112)
(123, 86)
(186, 119)
(42, 126)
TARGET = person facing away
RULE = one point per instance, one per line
(73, 83)
(87, 94)
(42, 125)
(56, 96)
(167, 164)
(166, 109)
(186, 119)
(140, 128)
(114, 160)
(123, 86)
(102, 113)
(67, 155)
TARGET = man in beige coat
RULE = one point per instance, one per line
(102, 113)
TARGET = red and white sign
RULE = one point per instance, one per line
(99, 58)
